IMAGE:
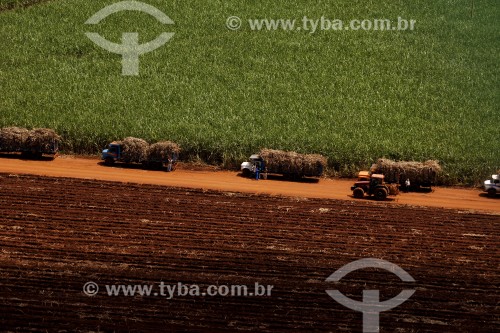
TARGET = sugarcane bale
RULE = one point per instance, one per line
(279, 161)
(289, 162)
(312, 163)
(434, 166)
(417, 172)
(162, 151)
(13, 138)
(42, 140)
(388, 168)
(133, 149)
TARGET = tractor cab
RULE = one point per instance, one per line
(373, 186)
(364, 175)
(370, 180)
(376, 179)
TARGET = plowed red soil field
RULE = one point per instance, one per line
(57, 234)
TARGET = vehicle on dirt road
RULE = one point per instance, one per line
(289, 164)
(255, 165)
(30, 143)
(492, 186)
(133, 150)
(375, 186)
(116, 153)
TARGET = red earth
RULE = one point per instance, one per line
(56, 234)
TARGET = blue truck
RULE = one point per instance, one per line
(132, 150)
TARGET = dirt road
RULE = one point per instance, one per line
(69, 166)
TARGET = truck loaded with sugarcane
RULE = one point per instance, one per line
(289, 164)
(30, 143)
(134, 150)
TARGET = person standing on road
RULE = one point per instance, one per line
(170, 164)
(407, 185)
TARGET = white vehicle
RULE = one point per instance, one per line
(248, 169)
(288, 164)
(492, 186)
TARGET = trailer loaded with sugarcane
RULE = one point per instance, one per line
(30, 143)
(289, 164)
(416, 174)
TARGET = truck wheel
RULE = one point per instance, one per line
(358, 193)
(246, 173)
(27, 154)
(109, 161)
(381, 194)
(492, 192)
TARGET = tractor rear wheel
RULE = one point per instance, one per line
(380, 194)
(358, 193)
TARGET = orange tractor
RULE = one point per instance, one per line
(373, 184)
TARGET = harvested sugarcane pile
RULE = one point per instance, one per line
(417, 172)
(293, 163)
(42, 139)
(134, 149)
(12, 139)
(38, 140)
(163, 151)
